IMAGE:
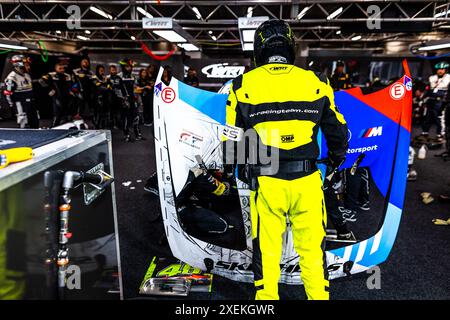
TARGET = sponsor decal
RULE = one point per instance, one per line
(251, 22)
(157, 23)
(363, 149)
(232, 133)
(279, 68)
(189, 138)
(371, 132)
(168, 95)
(407, 83)
(397, 91)
(222, 70)
(283, 111)
(158, 88)
(284, 267)
(287, 138)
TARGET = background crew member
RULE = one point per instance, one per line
(61, 88)
(191, 79)
(130, 114)
(19, 93)
(144, 87)
(102, 92)
(340, 80)
(84, 79)
(437, 90)
(295, 190)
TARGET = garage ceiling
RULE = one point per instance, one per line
(321, 24)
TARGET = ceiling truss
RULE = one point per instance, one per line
(49, 20)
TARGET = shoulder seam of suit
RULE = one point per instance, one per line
(237, 83)
(322, 77)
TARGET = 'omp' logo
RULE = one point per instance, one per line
(371, 132)
(287, 138)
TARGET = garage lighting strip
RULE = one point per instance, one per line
(435, 47)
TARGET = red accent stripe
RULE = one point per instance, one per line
(398, 111)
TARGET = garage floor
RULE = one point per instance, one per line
(416, 268)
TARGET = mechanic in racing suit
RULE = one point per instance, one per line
(61, 90)
(201, 187)
(102, 92)
(19, 93)
(438, 86)
(340, 80)
(129, 108)
(84, 79)
(286, 106)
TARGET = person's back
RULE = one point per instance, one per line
(291, 103)
(285, 106)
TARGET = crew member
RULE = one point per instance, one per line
(130, 114)
(437, 90)
(286, 120)
(145, 85)
(102, 91)
(19, 93)
(85, 80)
(61, 90)
(191, 79)
(340, 80)
(116, 97)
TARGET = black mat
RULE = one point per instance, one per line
(10, 138)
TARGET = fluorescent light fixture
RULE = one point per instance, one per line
(87, 31)
(101, 12)
(338, 32)
(188, 47)
(356, 38)
(441, 14)
(335, 13)
(197, 13)
(311, 63)
(212, 36)
(144, 12)
(82, 37)
(248, 35)
(303, 12)
(169, 35)
(247, 46)
(250, 12)
(435, 47)
(133, 38)
(58, 31)
(12, 46)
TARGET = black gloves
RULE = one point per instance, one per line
(205, 182)
(335, 160)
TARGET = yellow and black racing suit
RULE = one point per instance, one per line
(286, 106)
